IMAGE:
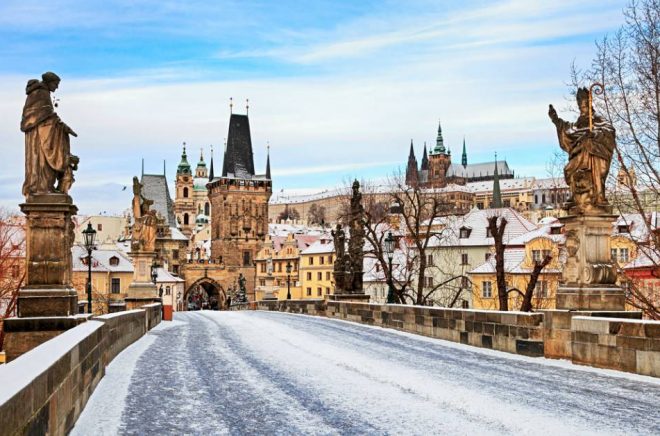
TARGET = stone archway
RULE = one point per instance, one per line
(205, 293)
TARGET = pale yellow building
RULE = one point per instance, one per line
(108, 228)
(112, 273)
(520, 257)
(316, 268)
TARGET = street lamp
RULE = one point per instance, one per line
(89, 234)
(288, 280)
(389, 250)
(154, 272)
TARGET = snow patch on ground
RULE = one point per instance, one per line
(102, 414)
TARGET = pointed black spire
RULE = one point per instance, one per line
(464, 157)
(412, 176)
(238, 159)
(497, 194)
(268, 163)
(425, 159)
(211, 175)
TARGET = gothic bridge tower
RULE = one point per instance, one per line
(239, 206)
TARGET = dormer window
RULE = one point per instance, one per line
(464, 232)
(114, 261)
(555, 230)
(624, 228)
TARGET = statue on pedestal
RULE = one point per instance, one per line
(144, 221)
(590, 143)
(48, 158)
(339, 238)
(356, 241)
(589, 275)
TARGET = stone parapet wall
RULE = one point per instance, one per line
(44, 390)
(154, 315)
(617, 343)
(315, 307)
(557, 329)
(513, 332)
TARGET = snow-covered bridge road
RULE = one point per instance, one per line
(273, 373)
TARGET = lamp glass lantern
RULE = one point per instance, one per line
(89, 236)
(289, 267)
(389, 245)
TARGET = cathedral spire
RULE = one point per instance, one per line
(439, 142)
(412, 175)
(497, 194)
(425, 159)
(464, 157)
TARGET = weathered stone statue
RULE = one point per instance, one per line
(589, 275)
(339, 238)
(48, 158)
(144, 221)
(242, 290)
(590, 143)
(356, 241)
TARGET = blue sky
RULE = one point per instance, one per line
(338, 88)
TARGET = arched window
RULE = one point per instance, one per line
(186, 219)
(207, 208)
(185, 192)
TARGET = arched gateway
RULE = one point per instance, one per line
(205, 293)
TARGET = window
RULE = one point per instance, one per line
(168, 290)
(555, 230)
(541, 289)
(99, 227)
(15, 271)
(319, 276)
(309, 292)
(327, 291)
(321, 260)
(536, 198)
(246, 258)
(464, 233)
(536, 255)
(186, 219)
(330, 259)
(624, 229)
(319, 292)
(175, 254)
(507, 203)
(115, 286)
(207, 209)
(262, 282)
(543, 198)
(327, 275)
(480, 205)
(279, 266)
(311, 260)
(546, 253)
(465, 283)
(613, 254)
(185, 192)
(464, 259)
(488, 233)
(465, 304)
(486, 289)
(309, 276)
(487, 256)
(263, 267)
(428, 282)
(114, 261)
(175, 269)
(623, 254)
(429, 260)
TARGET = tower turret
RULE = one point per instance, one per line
(464, 156)
(425, 159)
(439, 142)
(412, 175)
(497, 194)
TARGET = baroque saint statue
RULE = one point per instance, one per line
(145, 221)
(49, 164)
(590, 142)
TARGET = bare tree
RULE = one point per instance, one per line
(628, 64)
(12, 264)
(316, 214)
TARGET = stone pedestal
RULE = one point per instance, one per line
(49, 237)
(142, 290)
(354, 298)
(589, 275)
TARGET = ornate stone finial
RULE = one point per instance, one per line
(247, 106)
(184, 147)
(231, 105)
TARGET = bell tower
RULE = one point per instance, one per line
(184, 205)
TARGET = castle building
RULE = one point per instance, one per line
(239, 205)
(437, 169)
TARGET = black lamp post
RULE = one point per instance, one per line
(154, 272)
(288, 280)
(389, 250)
(89, 234)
